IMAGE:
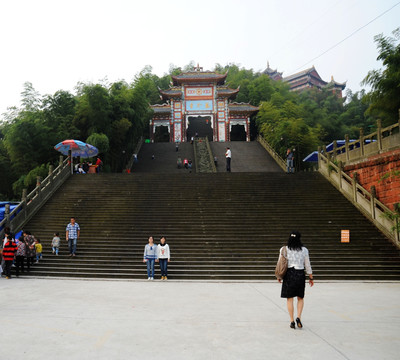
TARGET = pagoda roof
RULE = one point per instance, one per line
(199, 77)
(271, 72)
(225, 91)
(172, 92)
(161, 109)
(336, 84)
(242, 108)
(304, 73)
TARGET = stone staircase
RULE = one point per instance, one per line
(219, 226)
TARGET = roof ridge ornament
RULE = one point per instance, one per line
(198, 68)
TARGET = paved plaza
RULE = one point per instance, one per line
(86, 319)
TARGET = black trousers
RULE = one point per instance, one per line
(19, 263)
(228, 164)
(29, 262)
(7, 269)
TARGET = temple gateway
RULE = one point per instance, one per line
(198, 103)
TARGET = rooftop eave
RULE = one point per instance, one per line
(227, 93)
(161, 109)
(242, 108)
(167, 94)
(199, 77)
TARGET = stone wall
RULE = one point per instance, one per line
(382, 171)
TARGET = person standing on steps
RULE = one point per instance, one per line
(72, 233)
(294, 281)
(163, 257)
(55, 243)
(30, 251)
(20, 255)
(9, 250)
(289, 161)
(228, 155)
(99, 164)
(149, 257)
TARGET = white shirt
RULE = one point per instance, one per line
(298, 259)
(228, 153)
(163, 251)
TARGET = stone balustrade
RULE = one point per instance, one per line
(32, 202)
(362, 199)
(381, 140)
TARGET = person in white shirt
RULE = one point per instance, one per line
(228, 155)
(163, 257)
(294, 281)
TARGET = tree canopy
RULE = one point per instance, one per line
(384, 97)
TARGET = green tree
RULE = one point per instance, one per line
(31, 100)
(7, 174)
(58, 114)
(93, 110)
(384, 97)
(27, 142)
(100, 141)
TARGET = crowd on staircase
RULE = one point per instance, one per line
(18, 250)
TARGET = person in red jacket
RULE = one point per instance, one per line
(99, 164)
(9, 251)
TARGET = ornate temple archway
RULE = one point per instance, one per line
(199, 101)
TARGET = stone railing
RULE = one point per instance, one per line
(272, 152)
(32, 202)
(204, 160)
(383, 139)
(365, 201)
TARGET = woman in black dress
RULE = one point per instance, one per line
(294, 281)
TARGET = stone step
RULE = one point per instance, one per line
(219, 226)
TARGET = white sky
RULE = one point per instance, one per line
(56, 43)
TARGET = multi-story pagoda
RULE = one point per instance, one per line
(306, 79)
(273, 74)
(310, 78)
(198, 103)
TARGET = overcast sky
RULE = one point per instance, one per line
(54, 44)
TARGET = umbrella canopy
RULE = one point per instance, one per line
(77, 147)
(313, 157)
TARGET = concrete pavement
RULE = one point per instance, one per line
(87, 319)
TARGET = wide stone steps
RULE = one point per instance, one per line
(219, 226)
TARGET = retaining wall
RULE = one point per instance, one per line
(382, 171)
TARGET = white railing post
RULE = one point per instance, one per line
(60, 163)
(361, 142)
(340, 166)
(71, 161)
(379, 134)
(355, 187)
(7, 214)
(38, 186)
(319, 157)
(373, 196)
(346, 137)
(334, 150)
(24, 194)
(51, 175)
